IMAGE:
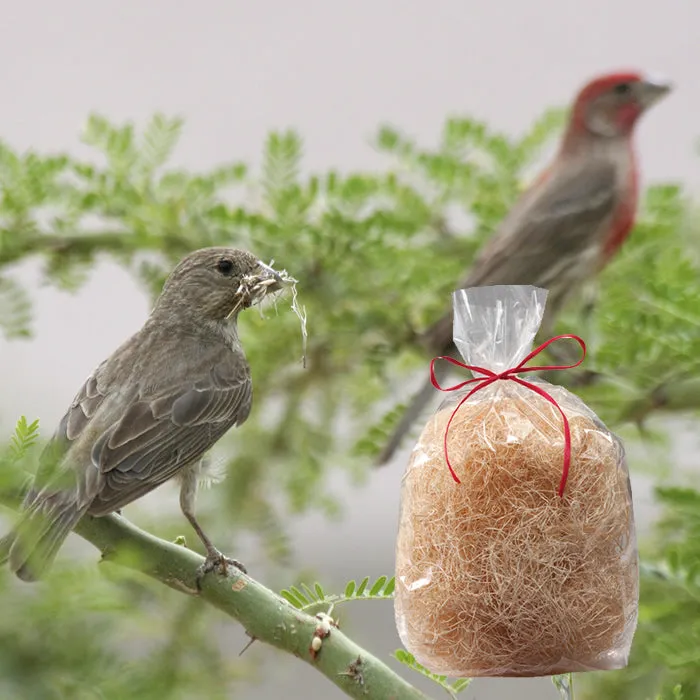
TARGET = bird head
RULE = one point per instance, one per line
(610, 105)
(217, 283)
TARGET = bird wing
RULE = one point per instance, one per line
(54, 473)
(564, 216)
(157, 435)
(545, 236)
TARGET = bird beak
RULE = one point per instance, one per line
(272, 279)
(652, 89)
(254, 288)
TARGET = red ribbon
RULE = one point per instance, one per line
(491, 377)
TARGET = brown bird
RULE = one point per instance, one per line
(149, 412)
(571, 222)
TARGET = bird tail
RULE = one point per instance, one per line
(43, 527)
(415, 408)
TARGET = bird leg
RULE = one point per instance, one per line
(215, 560)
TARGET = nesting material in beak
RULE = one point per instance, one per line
(254, 288)
(277, 280)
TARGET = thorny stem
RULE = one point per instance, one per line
(263, 614)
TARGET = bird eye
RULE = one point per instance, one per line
(622, 89)
(224, 266)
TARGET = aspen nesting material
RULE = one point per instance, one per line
(498, 575)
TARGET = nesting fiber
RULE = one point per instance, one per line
(498, 575)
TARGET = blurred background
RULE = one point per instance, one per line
(368, 147)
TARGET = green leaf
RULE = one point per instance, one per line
(15, 309)
(387, 138)
(306, 597)
(299, 595)
(281, 161)
(25, 436)
(409, 660)
(291, 598)
(159, 140)
(377, 586)
(361, 588)
(311, 596)
(461, 684)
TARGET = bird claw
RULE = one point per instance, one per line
(216, 561)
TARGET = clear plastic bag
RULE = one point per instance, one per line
(500, 575)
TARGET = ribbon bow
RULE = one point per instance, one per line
(511, 374)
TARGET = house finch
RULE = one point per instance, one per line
(569, 224)
(151, 411)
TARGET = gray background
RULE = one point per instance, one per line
(334, 71)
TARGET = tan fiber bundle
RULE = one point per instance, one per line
(498, 575)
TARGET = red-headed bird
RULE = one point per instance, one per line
(568, 225)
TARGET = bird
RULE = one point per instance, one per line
(151, 411)
(569, 224)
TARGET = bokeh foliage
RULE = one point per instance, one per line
(377, 255)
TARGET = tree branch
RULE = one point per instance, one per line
(86, 243)
(265, 615)
(672, 396)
